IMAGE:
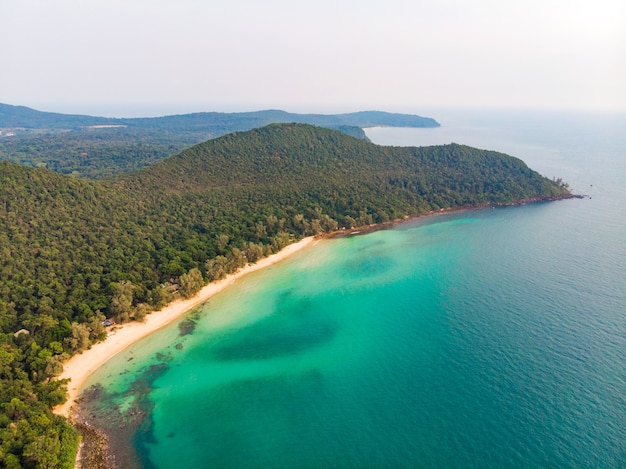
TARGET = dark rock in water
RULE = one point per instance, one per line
(108, 431)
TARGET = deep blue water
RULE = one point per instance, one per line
(482, 339)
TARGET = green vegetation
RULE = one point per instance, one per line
(96, 153)
(222, 122)
(99, 147)
(73, 252)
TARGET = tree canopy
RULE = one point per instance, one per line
(74, 252)
(99, 147)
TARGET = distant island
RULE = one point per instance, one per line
(75, 252)
(100, 147)
(224, 122)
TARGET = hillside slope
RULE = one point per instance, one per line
(99, 147)
(284, 180)
(73, 252)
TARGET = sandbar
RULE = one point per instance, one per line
(79, 367)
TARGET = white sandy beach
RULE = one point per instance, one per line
(79, 367)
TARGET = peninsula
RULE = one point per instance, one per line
(76, 252)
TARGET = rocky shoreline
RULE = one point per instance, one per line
(105, 433)
(93, 449)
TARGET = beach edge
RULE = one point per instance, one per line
(79, 367)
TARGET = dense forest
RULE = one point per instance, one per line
(100, 147)
(74, 252)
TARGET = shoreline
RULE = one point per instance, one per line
(81, 366)
(78, 368)
(359, 230)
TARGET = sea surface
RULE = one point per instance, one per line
(481, 339)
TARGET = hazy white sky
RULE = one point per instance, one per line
(139, 57)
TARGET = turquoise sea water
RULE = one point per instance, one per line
(482, 339)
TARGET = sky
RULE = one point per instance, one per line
(126, 58)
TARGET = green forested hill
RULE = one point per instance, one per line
(305, 168)
(73, 252)
(99, 147)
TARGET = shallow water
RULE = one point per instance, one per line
(491, 338)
